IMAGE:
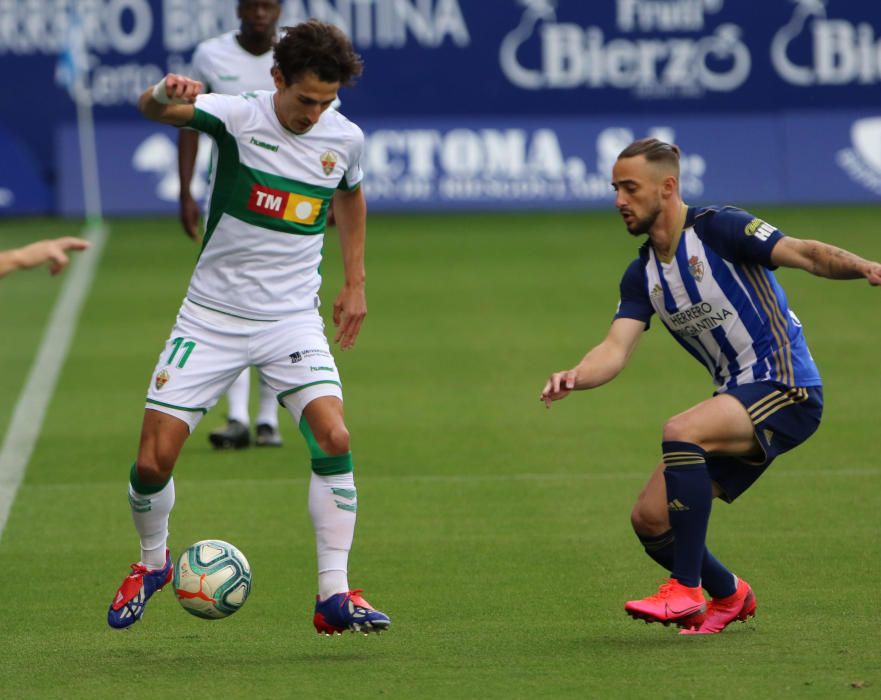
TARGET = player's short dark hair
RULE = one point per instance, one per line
(654, 151)
(318, 47)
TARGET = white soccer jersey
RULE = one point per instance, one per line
(222, 65)
(266, 212)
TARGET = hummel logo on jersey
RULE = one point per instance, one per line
(677, 505)
(279, 204)
(263, 144)
(696, 267)
(328, 161)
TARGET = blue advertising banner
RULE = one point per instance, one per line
(138, 166)
(448, 59)
(834, 157)
(528, 163)
(22, 187)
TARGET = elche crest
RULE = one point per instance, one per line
(328, 161)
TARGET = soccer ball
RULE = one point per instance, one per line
(212, 579)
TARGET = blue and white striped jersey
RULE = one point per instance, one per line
(719, 299)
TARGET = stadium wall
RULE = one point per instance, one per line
(490, 104)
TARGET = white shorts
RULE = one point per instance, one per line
(207, 350)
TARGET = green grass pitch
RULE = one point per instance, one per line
(494, 532)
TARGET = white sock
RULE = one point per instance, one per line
(268, 412)
(150, 513)
(333, 501)
(237, 395)
(332, 582)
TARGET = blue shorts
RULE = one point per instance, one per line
(783, 417)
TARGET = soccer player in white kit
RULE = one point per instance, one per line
(233, 63)
(253, 300)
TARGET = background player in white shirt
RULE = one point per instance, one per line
(233, 63)
(253, 300)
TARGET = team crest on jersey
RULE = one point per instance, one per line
(162, 379)
(696, 267)
(328, 161)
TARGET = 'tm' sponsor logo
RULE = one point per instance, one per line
(279, 204)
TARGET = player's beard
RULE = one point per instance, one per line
(644, 225)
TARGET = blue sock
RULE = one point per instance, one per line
(689, 499)
(718, 581)
(660, 548)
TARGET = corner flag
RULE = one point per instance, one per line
(73, 61)
(71, 73)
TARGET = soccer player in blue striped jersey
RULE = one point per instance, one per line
(707, 274)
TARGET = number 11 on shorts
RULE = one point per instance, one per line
(188, 348)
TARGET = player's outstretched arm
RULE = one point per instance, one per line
(50, 251)
(350, 306)
(824, 260)
(601, 365)
(171, 100)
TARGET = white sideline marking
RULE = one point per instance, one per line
(27, 417)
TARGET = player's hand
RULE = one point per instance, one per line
(50, 251)
(558, 386)
(873, 274)
(349, 311)
(189, 216)
(179, 89)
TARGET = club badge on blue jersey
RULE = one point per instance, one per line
(696, 267)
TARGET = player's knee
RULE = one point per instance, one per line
(153, 471)
(678, 429)
(334, 441)
(648, 521)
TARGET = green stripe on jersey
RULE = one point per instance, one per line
(227, 162)
(256, 197)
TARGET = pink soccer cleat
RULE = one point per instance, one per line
(681, 605)
(721, 612)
